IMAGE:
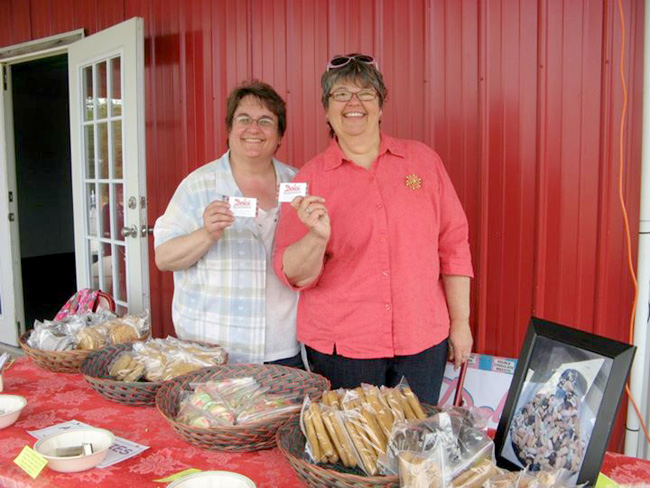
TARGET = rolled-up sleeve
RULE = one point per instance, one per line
(453, 240)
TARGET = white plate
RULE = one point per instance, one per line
(213, 479)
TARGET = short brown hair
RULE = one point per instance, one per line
(267, 96)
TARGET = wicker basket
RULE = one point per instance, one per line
(291, 442)
(57, 361)
(246, 437)
(138, 393)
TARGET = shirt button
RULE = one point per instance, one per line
(380, 205)
(388, 307)
(383, 239)
(385, 273)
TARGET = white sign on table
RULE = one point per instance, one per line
(121, 450)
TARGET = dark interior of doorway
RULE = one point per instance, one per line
(44, 185)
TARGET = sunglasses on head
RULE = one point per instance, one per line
(339, 61)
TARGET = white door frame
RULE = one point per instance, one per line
(12, 313)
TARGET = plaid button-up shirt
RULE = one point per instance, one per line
(221, 298)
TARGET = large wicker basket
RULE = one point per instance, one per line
(246, 437)
(95, 370)
(57, 361)
(291, 442)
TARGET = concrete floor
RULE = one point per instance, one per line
(14, 351)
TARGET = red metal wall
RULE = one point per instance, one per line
(522, 99)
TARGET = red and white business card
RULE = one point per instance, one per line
(289, 191)
(243, 207)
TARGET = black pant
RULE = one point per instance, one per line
(293, 361)
(423, 371)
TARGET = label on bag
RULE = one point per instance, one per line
(289, 191)
(243, 207)
(178, 475)
(30, 462)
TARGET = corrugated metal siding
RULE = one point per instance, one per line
(521, 98)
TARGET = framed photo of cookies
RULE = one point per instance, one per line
(562, 401)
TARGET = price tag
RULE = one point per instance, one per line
(243, 207)
(289, 191)
(178, 475)
(30, 461)
(605, 482)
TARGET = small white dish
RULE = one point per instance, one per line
(10, 408)
(101, 440)
(213, 479)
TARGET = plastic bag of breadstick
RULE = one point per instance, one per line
(411, 405)
(421, 470)
(377, 403)
(319, 448)
(364, 438)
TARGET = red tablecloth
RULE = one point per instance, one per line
(54, 398)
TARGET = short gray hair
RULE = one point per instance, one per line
(363, 74)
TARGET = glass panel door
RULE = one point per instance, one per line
(107, 122)
(103, 181)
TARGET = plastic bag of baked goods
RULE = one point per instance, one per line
(200, 409)
(462, 444)
(129, 328)
(63, 335)
(421, 470)
(318, 447)
(267, 406)
(167, 358)
(125, 367)
(328, 439)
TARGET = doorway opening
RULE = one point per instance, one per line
(44, 185)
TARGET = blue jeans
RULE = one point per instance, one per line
(423, 371)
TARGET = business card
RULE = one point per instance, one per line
(289, 191)
(243, 207)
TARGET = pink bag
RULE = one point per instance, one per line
(86, 300)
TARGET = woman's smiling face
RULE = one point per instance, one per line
(258, 137)
(354, 117)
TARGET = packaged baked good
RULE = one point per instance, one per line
(167, 358)
(120, 332)
(420, 470)
(93, 337)
(125, 367)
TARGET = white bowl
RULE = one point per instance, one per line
(213, 479)
(11, 405)
(101, 440)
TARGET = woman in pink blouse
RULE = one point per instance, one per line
(379, 249)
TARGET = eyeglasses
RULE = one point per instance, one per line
(263, 122)
(346, 95)
(339, 61)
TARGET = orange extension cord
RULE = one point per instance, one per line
(624, 210)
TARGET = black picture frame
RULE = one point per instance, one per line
(566, 390)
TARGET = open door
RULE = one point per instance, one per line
(12, 314)
(106, 76)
